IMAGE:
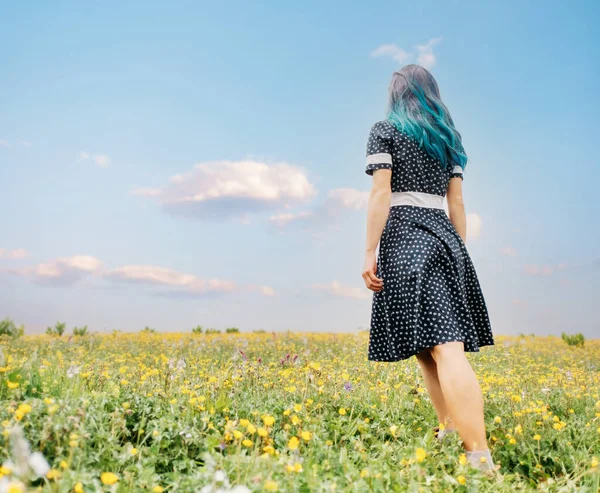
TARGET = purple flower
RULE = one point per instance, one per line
(348, 386)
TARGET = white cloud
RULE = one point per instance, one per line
(13, 254)
(424, 53)
(336, 288)
(24, 143)
(473, 225)
(541, 270)
(4, 143)
(288, 217)
(425, 57)
(349, 198)
(148, 274)
(102, 160)
(63, 270)
(232, 189)
(264, 290)
(508, 251)
(391, 50)
(338, 200)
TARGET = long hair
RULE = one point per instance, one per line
(416, 109)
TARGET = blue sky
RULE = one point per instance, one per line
(183, 163)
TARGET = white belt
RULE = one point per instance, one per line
(419, 199)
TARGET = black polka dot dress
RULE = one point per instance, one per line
(431, 294)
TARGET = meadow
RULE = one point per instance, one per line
(288, 412)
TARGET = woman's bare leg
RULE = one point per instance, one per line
(432, 384)
(462, 393)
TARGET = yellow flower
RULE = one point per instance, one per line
(482, 460)
(537, 437)
(53, 474)
(421, 454)
(462, 460)
(594, 462)
(15, 488)
(271, 485)
(133, 451)
(262, 432)
(109, 478)
(247, 443)
(268, 420)
(515, 398)
(461, 479)
(306, 435)
(78, 488)
(293, 443)
(393, 429)
(158, 489)
(251, 428)
(518, 429)
(364, 473)
(12, 385)
(297, 407)
(512, 441)
(237, 434)
(63, 464)
(342, 411)
(315, 366)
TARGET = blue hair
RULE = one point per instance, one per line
(416, 109)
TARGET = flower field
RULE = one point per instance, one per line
(289, 412)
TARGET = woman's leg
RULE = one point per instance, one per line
(462, 393)
(432, 384)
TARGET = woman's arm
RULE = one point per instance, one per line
(456, 207)
(377, 215)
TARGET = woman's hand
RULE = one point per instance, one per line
(369, 273)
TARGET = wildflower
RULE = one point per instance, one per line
(342, 411)
(348, 386)
(78, 488)
(73, 370)
(271, 485)
(262, 432)
(462, 460)
(15, 487)
(461, 479)
(247, 443)
(421, 454)
(306, 435)
(109, 478)
(293, 443)
(53, 474)
(237, 434)
(268, 420)
(364, 473)
(537, 437)
(594, 462)
(133, 451)
(497, 419)
(12, 385)
(393, 429)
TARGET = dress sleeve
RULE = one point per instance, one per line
(379, 148)
(457, 172)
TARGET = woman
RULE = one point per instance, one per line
(427, 300)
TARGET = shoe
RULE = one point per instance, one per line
(440, 435)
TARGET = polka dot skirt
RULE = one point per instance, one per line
(431, 293)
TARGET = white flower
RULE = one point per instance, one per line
(38, 464)
(220, 476)
(73, 370)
